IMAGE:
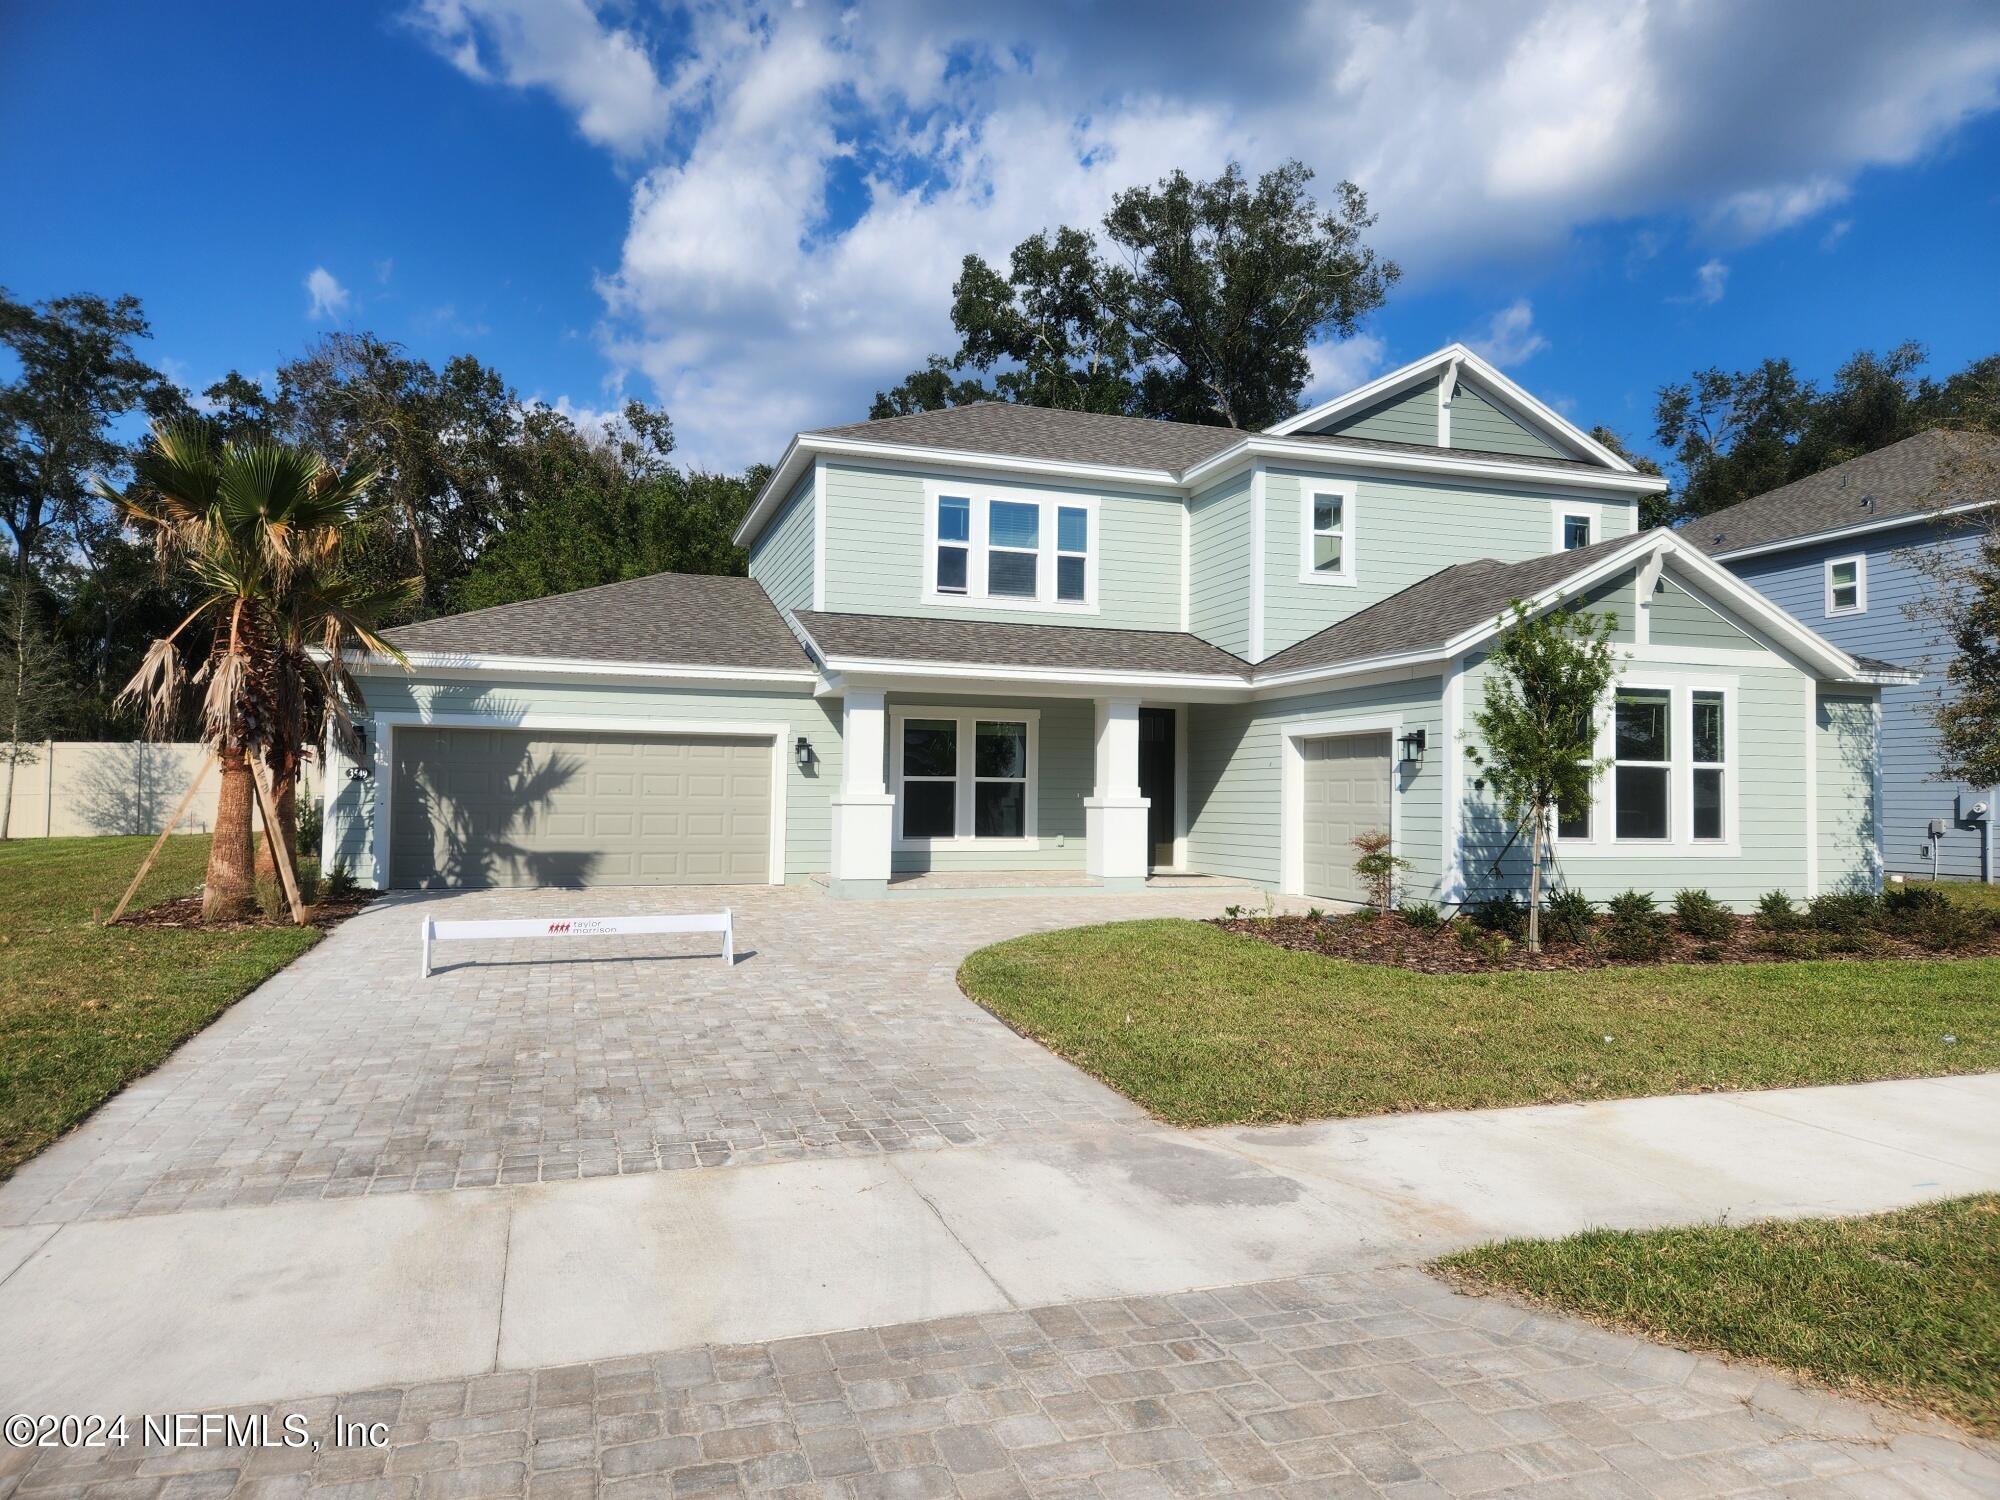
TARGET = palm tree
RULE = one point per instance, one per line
(258, 528)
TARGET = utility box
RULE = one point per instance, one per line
(1973, 809)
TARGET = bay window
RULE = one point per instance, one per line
(963, 776)
(1010, 548)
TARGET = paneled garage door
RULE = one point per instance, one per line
(498, 807)
(1346, 793)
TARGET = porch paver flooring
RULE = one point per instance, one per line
(1381, 1383)
(840, 1032)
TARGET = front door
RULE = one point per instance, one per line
(1156, 781)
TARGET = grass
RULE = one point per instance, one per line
(1900, 1307)
(1203, 1027)
(1974, 894)
(85, 1009)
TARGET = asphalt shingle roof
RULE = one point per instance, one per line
(1938, 467)
(676, 619)
(1436, 609)
(1081, 648)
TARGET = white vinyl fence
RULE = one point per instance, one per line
(82, 788)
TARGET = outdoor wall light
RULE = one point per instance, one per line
(1413, 748)
(805, 753)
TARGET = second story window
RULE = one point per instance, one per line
(1326, 532)
(1846, 585)
(1010, 548)
(1576, 532)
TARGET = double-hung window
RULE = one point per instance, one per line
(961, 775)
(1846, 585)
(1575, 532)
(1642, 763)
(1710, 752)
(1011, 548)
(1326, 533)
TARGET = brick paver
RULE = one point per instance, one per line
(841, 1032)
(1374, 1384)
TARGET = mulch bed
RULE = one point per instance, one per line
(185, 911)
(1389, 940)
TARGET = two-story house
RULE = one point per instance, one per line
(1842, 551)
(1007, 639)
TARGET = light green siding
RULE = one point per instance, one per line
(1234, 776)
(1844, 761)
(1682, 618)
(875, 552)
(781, 559)
(1770, 802)
(1401, 531)
(349, 825)
(1478, 423)
(1410, 417)
(1616, 599)
(1063, 778)
(1219, 565)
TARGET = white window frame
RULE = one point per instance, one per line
(1674, 740)
(1603, 842)
(1860, 604)
(967, 721)
(1345, 490)
(935, 503)
(978, 549)
(1057, 552)
(1587, 514)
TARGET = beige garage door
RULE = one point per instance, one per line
(1346, 793)
(497, 807)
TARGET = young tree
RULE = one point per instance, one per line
(1537, 730)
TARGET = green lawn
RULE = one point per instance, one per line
(1902, 1307)
(1203, 1027)
(85, 1009)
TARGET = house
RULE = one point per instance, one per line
(1002, 640)
(1839, 550)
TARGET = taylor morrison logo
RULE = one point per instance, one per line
(558, 927)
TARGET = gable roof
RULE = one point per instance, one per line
(1078, 437)
(667, 619)
(984, 643)
(1450, 362)
(1911, 480)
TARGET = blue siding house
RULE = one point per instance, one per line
(1835, 550)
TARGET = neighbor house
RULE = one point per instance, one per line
(1017, 643)
(1842, 550)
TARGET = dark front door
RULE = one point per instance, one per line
(1156, 780)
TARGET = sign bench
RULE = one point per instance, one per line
(576, 927)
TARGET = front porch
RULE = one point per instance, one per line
(959, 791)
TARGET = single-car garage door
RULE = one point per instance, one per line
(499, 807)
(1346, 793)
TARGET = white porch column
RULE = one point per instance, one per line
(863, 810)
(1114, 818)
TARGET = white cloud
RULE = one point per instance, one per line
(1338, 368)
(1511, 336)
(329, 297)
(812, 175)
(1711, 281)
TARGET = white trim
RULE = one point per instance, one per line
(1841, 533)
(1539, 477)
(1231, 685)
(819, 533)
(1860, 604)
(1875, 793)
(1181, 716)
(388, 722)
(1451, 358)
(1561, 514)
(1258, 488)
(965, 778)
(1680, 842)
(1447, 388)
(1451, 870)
(1812, 789)
(561, 666)
(980, 499)
(1292, 790)
(1187, 561)
(1348, 493)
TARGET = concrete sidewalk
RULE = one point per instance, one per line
(251, 1304)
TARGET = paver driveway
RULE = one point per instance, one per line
(840, 1031)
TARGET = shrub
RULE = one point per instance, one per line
(1421, 915)
(1842, 911)
(1314, 914)
(1702, 916)
(340, 883)
(1486, 945)
(1795, 942)
(1501, 914)
(1635, 930)
(1569, 914)
(1775, 912)
(1948, 929)
(1710, 953)
(1906, 907)
(312, 819)
(1632, 906)
(1379, 867)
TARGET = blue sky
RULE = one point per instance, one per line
(753, 217)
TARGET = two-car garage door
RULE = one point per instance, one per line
(499, 807)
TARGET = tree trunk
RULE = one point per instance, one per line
(230, 893)
(285, 792)
(7, 795)
(1535, 883)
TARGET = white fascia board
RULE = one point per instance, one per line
(1422, 369)
(772, 495)
(1451, 461)
(469, 664)
(856, 667)
(1841, 533)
